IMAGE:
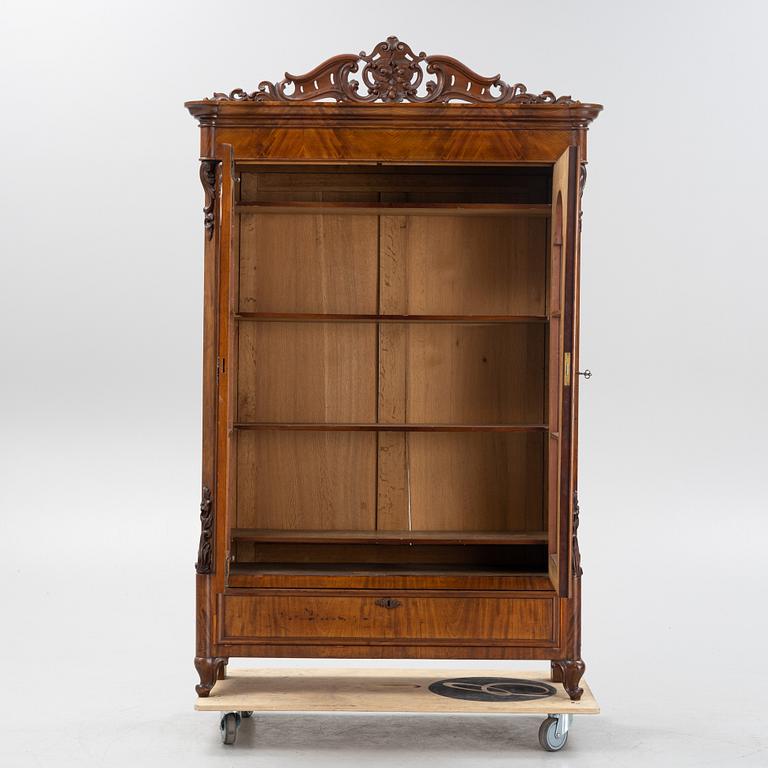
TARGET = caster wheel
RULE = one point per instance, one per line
(548, 737)
(229, 725)
(246, 714)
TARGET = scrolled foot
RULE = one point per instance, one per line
(572, 671)
(210, 670)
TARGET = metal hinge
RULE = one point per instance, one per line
(567, 370)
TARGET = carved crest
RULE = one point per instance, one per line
(392, 72)
(205, 549)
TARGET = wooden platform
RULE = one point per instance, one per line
(377, 690)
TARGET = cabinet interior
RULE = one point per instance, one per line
(390, 381)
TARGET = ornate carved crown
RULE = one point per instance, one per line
(392, 72)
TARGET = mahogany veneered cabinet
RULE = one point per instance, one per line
(390, 367)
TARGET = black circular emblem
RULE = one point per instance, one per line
(492, 689)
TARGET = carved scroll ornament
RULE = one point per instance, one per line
(205, 549)
(392, 72)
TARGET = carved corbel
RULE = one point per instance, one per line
(208, 180)
(576, 555)
(205, 548)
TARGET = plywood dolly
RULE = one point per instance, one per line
(474, 691)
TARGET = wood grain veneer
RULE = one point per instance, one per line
(413, 617)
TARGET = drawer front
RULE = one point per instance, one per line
(387, 618)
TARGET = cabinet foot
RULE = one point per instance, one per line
(210, 670)
(569, 672)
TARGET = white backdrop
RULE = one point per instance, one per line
(101, 232)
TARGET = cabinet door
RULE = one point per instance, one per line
(561, 373)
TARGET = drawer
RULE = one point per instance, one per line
(442, 618)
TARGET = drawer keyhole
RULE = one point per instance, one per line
(387, 602)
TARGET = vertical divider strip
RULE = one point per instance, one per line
(391, 477)
(545, 383)
(406, 389)
(378, 366)
(233, 363)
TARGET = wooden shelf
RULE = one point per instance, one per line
(372, 569)
(274, 536)
(343, 318)
(281, 575)
(398, 209)
(325, 427)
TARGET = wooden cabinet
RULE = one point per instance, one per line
(390, 367)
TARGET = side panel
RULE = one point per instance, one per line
(224, 362)
(561, 367)
(210, 177)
